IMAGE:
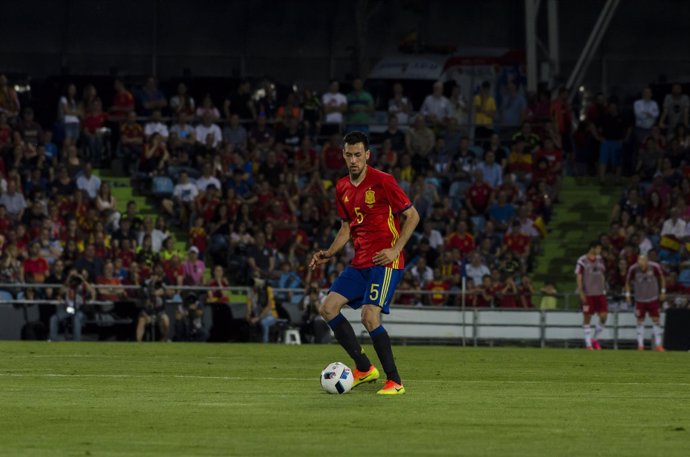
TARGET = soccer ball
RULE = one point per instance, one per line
(337, 378)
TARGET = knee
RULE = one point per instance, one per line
(328, 311)
(370, 321)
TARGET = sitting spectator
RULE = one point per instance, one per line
(420, 139)
(88, 182)
(288, 111)
(437, 286)
(123, 103)
(399, 106)
(484, 112)
(31, 131)
(262, 309)
(436, 107)
(491, 171)
(208, 133)
(207, 108)
(193, 268)
(314, 328)
(131, 138)
(34, 268)
(182, 102)
(94, 132)
(90, 263)
(234, 133)
(478, 195)
(113, 293)
(513, 106)
(262, 136)
(186, 134)
(530, 139)
(501, 213)
(155, 157)
(69, 115)
(188, 319)
(156, 126)
(13, 201)
(422, 273)
(75, 293)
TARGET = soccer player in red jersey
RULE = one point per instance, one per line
(647, 279)
(591, 283)
(370, 203)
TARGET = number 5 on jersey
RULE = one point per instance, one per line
(359, 215)
(374, 292)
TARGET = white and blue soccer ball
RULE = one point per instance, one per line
(337, 378)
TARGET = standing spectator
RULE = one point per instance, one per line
(34, 268)
(675, 110)
(459, 108)
(360, 105)
(151, 98)
(289, 110)
(484, 112)
(156, 125)
(182, 102)
(262, 137)
(31, 131)
(646, 114)
(612, 131)
(478, 195)
(394, 134)
(562, 115)
(399, 106)
(93, 131)
(311, 112)
(75, 293)
(123, 103)
(513, 107)
(207, 108)
(241, 103)
(260, 258)
(9, 102)
(436, 107)
(334, 105)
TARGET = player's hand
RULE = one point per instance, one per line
(386, 256)
(583, 298)
(319, 258)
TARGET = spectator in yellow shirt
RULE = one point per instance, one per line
(484, 112)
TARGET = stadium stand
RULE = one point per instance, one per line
(246, 182)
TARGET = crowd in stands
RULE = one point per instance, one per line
(252, 186)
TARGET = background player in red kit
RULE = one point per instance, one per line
(647, 279)
(591, 284)
(369, 203)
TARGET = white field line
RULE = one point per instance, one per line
(269, 378)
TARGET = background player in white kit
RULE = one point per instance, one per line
(591, 284)
(647, 280)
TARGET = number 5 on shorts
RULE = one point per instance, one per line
(374, 292)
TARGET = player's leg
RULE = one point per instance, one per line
(587, 329)
(656, 325)
(639, 314)
(382, 284)
(601, 309)
(343, 331)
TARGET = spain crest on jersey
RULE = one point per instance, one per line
(369, 197)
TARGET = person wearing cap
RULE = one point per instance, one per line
(193, 268)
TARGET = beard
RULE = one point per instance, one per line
(354, 175)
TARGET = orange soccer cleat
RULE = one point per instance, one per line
(370, 375)
(391, 388)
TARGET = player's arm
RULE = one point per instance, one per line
(580, 288)
(627, 286)
(386, 256)
(341, 239)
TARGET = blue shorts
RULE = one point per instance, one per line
(610, 152)
(368, 286)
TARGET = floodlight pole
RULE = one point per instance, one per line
(531, 8)
(554, 50)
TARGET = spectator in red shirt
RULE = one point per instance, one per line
(131, 138)
(113, 293)
(332, 160)
(93, 133)
(461, 239)
(34, 268)
(517, 242)
(478, 195)
(284, 221)
(123, 103)
(525, 291)
(436, 285)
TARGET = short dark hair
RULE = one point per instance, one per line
(355, 137)
(594, 244)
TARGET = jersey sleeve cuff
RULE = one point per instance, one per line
(403, 210)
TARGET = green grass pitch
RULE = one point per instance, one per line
(103, 399)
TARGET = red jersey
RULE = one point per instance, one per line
(479, 194)
(516, 242)
(464, 243)
(372, 209)
(36, 269)
(438, 285)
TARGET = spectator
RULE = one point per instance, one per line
(478, 195)
(76, 293)
(207, 108)
(155, 158)
(208, 133)
(674, 226)
(94, 131)
(492, 172)
(513, 107)
(484, 112)
(123, 103)
(612, 131)
(153, 312)
(260, 258)
(527, 135)
(9, 102)
(234, 133)
(13, 201)
(520, 162)
(88, 182)
(113, 293)
(184, 131)
(289, 138)
(394, 134)
(562, 115)
(156, 126)
(241, 103)
(675, 111)
(31, 131)
(207, 179)
(334, 106)
(438, 287)
(646, 114)
(34, 268)
(459, 108)
(290, 110)
(501, 213)
(436, 107)
(157, 235)
(422, 273)
(193, 268)
(262, 136)
(106, 204)
(152, 99)
(262, 309)
(399, 106)
(182, 102)
(420, 139)
(90, 263)
(131, 139)
(460, 239)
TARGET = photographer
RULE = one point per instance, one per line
(156, 294)
(313, 328)
(75, 293)
(188, 320)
